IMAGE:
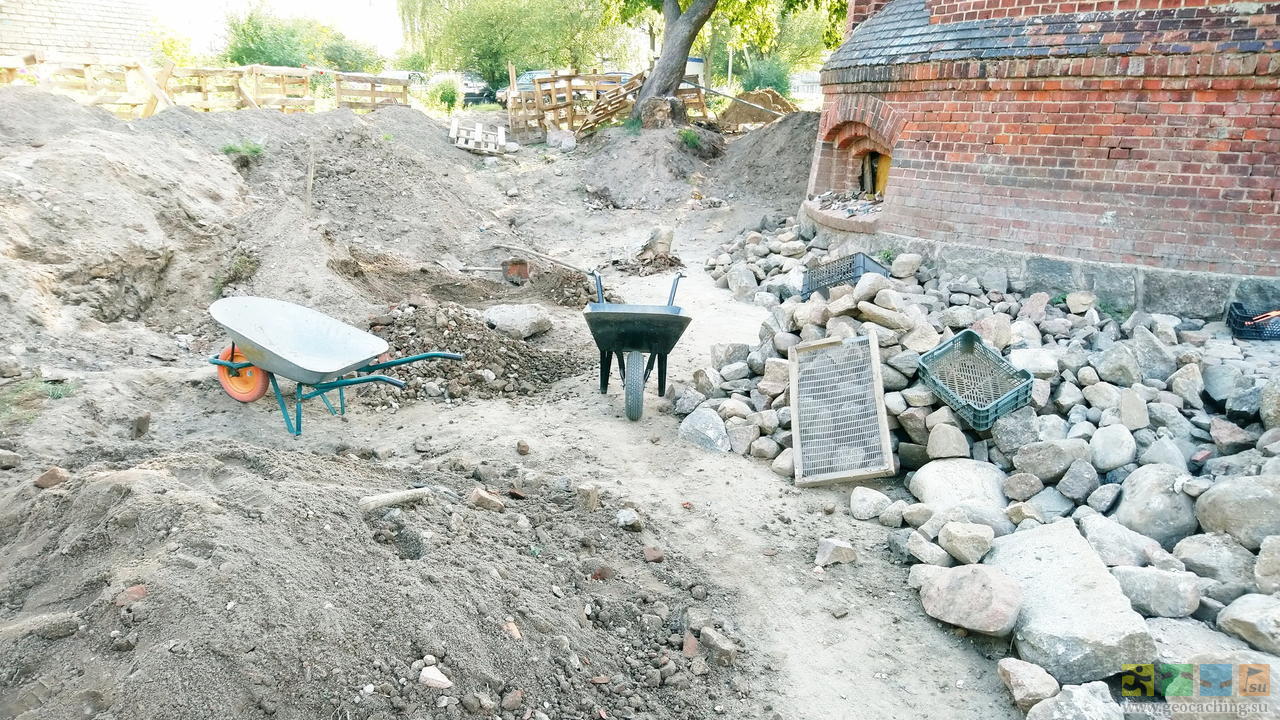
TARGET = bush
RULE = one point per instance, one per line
(445, 93)
(768, 73)
(690, 138)
(259, 38)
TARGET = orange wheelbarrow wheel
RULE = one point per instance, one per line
(247, 384)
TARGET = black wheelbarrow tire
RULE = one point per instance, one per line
(633, 379)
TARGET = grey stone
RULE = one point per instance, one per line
(905, 265)
(974, 597)
(707, 381)
(784, 464)
(1111, 447)
(1266, 569)
(917, 514)
(1260, 706)
(891, 516)
(1153, 504)
(834, 550)
(1155, 360)
(518, 321)
(1079, 481)
(1050, 460)
(866, 503)
(926, 552)
(1133, 410)
(1118, 365)
(1254, 618)
(969, 511)
(1052, 504)
(1014, 430)
(1164, 451)
(1022, 486)
(1247, 508)
(1041, 363)
(1269, 404)
(1102, 395)
(1116, 544)
(1179, 638)
(1075, 621)
(1187, 384)
(1104, 497)
(704, 428)
(966, 542)
(1159, 593)
(1230, 438)
(943, 483)
(1091, 701)
(1223, 381)
(1028, 683)
(1217, 556)
(1244, 406)
(742, 281)
(741, 434)
(947, 441)
(9, 459)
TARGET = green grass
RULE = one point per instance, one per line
(241, 268)
(21, 402)
(388, 137)
(1058, 299)
(690, 138)
(247, 148)
(486, 107)
(886, 256)
(632, 125)
(1110, 310)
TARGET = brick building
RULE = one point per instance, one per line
(1122, 131)
(102, 28)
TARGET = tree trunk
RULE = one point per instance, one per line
(677, 39)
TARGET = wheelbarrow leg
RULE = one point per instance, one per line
(289, 425)
(648, 368)
(662, 375)
(606, 365)
(622, 367)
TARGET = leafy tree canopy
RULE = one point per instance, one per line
(263, 39)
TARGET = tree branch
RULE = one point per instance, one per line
(670, 11)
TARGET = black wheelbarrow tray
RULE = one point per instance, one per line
(631, 331)
(274, 337)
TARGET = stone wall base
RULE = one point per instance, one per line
(1122, 287)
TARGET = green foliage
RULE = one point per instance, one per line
(632, 125)
(167, 46)
(247, 148)
(484, 35)
(58, 390)
(20, 402)
(445, 93)
(768, 72)
(886, 256)
(1058, 299)
(1110, 310)
(414, 60)
(690, 138)
(241, 268)
(261, 38)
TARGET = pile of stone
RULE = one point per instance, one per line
(849, 204)
(1129, 513)
(766, 266)
(497, 359)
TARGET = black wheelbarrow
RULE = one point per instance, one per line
(630, 331)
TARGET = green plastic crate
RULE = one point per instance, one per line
(972, 378)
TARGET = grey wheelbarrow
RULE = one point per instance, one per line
(274, 337)
(630, 331)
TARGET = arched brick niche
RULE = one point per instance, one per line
(851, 129)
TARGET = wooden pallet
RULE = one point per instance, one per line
(477, 139)
(363, 91)
(695, 101)
(10, 65)
(124, 87)
(609, 104)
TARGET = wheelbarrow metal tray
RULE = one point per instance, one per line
(295, 342)
(647, 328)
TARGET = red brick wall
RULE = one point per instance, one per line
(1139, 156)
(860, 10)
(957, 10)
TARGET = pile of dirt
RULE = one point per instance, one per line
(648, 169)
(495, 364)
(738, 114)
(770, 164)
(243, 582)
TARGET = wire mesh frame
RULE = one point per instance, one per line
(840, 429)
(845, 270)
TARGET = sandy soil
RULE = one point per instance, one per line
(849, 642)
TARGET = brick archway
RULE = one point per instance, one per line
(850, 127)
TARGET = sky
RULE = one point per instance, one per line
(375, 22)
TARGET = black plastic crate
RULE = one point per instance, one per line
(1237, 317)
(838, 272)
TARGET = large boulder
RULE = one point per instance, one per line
(1075, 621)
(704, 428)
(1254, 618)
(1247, 508)
(1179, 638)
(1217, 556)
(1159, 593)
(1111, 447)
(1153, 504)
(518, 321)
(1049, 460)
(1117, 545)
(1091, 701)
(974, 597)
(941, 484)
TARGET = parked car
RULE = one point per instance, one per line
(475, 90)
(524, 83)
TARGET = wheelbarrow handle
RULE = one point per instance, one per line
(324, 387)
(599, 286)
(672, 299)
(410, 359)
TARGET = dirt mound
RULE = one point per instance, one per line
(241, 582)
(771, 163)
(738, 114)
(31, 117)
(648, 169)
(495, 364)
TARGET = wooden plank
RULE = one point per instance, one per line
(156, 94)
(246, 97)
(162, 81)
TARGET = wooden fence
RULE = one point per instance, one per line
(131, 90)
